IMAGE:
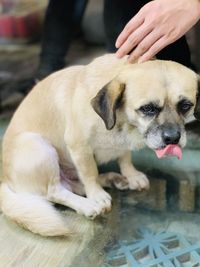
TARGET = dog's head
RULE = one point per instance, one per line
(157, 97)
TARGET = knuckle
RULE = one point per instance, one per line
(147, 7)
(128, 27)
(131, 40)
(142, 47)
(154, 51)
(172, 35)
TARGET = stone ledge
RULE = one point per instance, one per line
(167, 192)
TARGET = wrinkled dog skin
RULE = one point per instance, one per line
(83, 116)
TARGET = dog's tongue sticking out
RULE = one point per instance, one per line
(172, 150)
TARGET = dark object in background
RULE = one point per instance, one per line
(20, 22)
(63, 17)
(62, 22)
(116, 15)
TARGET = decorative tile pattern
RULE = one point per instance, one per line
(161, 249)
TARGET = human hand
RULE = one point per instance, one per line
(157, 24)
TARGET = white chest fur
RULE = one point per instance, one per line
(110, 145)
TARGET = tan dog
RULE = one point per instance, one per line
(83, 116)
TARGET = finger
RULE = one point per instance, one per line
(144, 45)
(133, 40)
(130, 27)
(156, 47)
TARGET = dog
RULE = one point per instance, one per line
(84, 116)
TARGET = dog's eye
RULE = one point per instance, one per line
(150, 109)
(184, 106)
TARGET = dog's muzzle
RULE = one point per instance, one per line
(171, 134)
(166, 139)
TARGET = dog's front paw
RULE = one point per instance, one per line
(101, 197)
(138, 181)
(89, 208)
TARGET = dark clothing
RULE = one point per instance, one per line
(63, 16)
(62, 19)
(116, 15)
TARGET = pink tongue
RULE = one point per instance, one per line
(173, 150)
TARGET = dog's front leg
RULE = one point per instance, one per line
(137, 180)
(83, 159)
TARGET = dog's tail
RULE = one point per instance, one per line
(32, 212)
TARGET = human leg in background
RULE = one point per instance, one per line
(61, 20)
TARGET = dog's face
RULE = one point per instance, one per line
(157, 97)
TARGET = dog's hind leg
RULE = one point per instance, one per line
(37, 169)
(109, 179)
(32, 180)
(30, 165)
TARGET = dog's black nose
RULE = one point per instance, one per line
(171, 135)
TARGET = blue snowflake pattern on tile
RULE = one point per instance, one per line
(162, 249)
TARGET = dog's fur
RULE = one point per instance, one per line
(78, 118)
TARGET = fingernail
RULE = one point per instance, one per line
(117, 44)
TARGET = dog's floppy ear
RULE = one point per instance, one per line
(106, 102)
(197, 107)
